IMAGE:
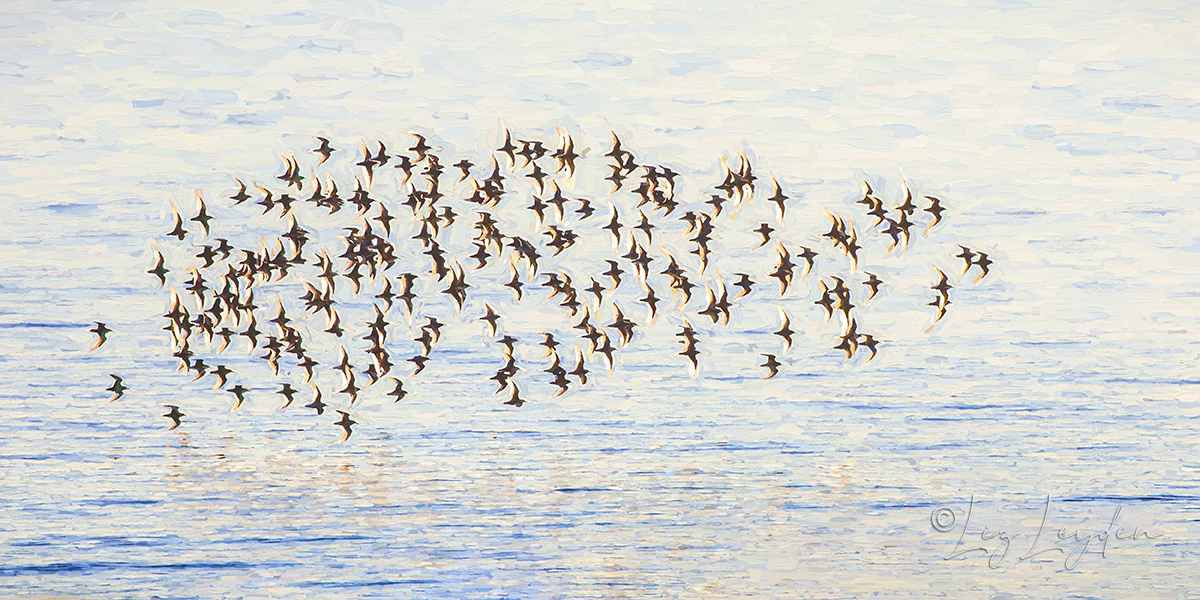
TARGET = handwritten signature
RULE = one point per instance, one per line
(1073, 544)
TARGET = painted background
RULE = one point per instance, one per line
(1061, 135)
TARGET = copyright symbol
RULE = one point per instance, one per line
(942, 519)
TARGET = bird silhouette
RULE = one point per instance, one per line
(514, 398)
(101, 332)
(239, 393)
(345, 424)
(118, 388)
(158, 270)
(765, 231)
(785, 330)
(325, 150)
(982, 262)
(772, 366)
(289, 394)
(872, 284)
(174, 415)
(317, 403)
(398, 392)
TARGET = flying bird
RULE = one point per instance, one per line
(174, 415)
(982, 262)
(202, 214)
(968, 257)
(289, 394)
(745, 283)
(421, 148)
(239, 393)
(178, 230)
(491, 317)
(772, 366)
(778, 199)
(101, 332)
(316, 403)
(785, 331)
(324, 150)
(580, 369)
(398, 392)
(159, 270)
(943, 285)
(464, 165)
(508, 148)
(936, 209)
(241, 195)
(222, 372)
(419, 361)
(514, 398)
(870, 343)
(873, 284)
(117, 388)
(345, 424)
(765, 231)
(566, 156)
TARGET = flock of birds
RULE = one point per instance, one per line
(373, 269)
